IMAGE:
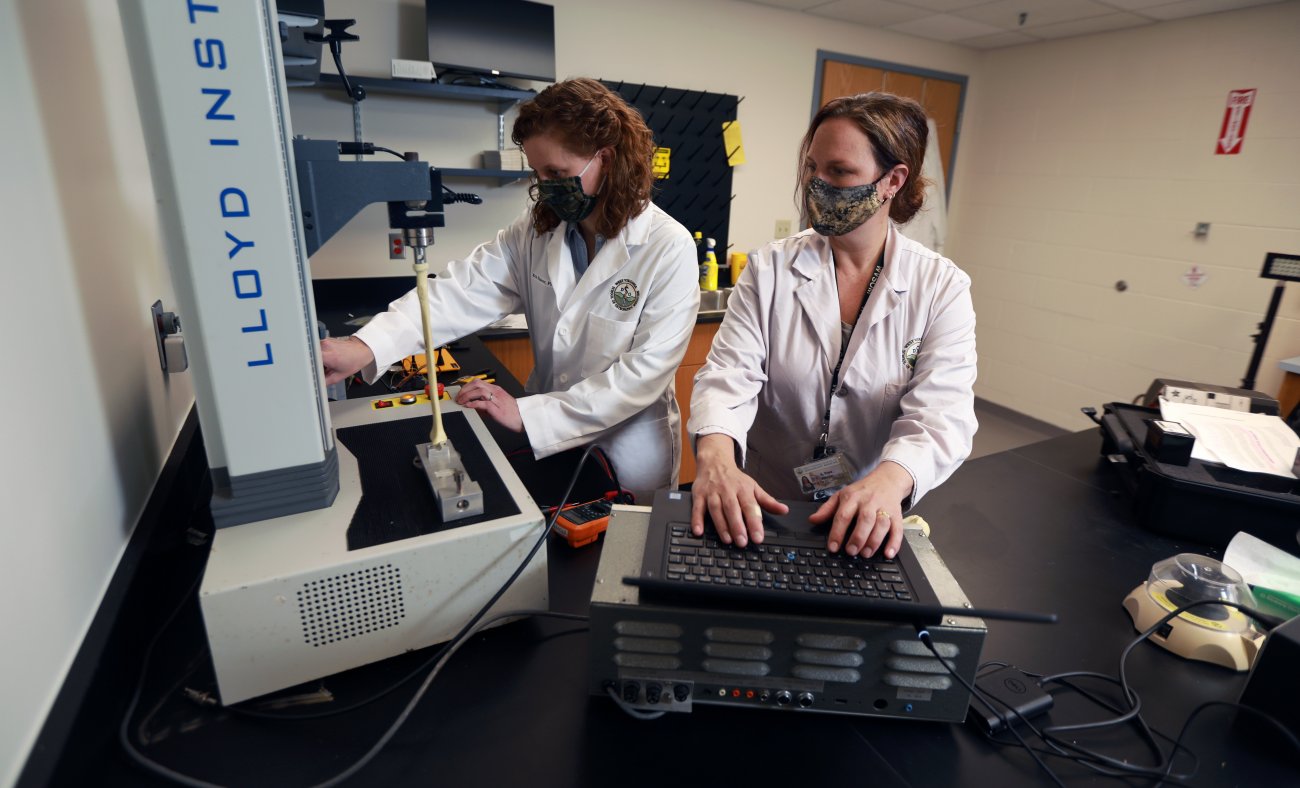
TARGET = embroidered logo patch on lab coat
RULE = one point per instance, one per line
(910, 351)
(624, 294)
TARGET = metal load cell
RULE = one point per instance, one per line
(457, 494)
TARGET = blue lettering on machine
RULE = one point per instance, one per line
(243, 204)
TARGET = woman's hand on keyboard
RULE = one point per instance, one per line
(730, 497)
(872, 507)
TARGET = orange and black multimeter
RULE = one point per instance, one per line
(583, 523)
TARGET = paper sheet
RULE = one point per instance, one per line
(1246, 441)
(1262, 564)
(731, 140)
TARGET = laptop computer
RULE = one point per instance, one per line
(791, 571)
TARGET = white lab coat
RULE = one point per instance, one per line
(766, 378)
(606, 346)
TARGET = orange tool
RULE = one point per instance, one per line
(418, 363)
(583, 523)
(445, 362)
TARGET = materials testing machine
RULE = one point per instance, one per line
(306, 576)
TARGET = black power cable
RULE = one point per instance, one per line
(924, 637)
(123, 733)
(438, 660)
(1096, 761)
(550, 526)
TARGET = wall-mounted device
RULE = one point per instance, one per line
(492, 38)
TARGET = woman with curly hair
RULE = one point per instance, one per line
(847, 356)
(607, 281)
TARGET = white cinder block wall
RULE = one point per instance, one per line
(1089, 161)
(87, 416)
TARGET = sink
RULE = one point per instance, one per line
(714, 300)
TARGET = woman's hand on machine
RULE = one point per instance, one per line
(492, 400)
(344, 357)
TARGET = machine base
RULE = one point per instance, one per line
(286, 601)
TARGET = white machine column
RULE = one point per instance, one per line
(210, 84)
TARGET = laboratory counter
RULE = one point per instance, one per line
(1040, 528)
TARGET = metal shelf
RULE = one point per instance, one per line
(501, 176)
(504, 97)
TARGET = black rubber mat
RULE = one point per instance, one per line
(396, 502)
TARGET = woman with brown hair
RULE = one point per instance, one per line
(847, 355)
(607, 281)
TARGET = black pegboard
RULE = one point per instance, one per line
(697, 191)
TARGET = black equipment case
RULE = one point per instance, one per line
(1204, 502)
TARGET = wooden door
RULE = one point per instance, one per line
(941, 98)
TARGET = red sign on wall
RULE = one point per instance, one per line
(1235, 115)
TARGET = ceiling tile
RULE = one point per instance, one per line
(1093, 24)
(944, 27)
(797, 5)
(1186, 8)
(943, 6)
(980, 24)
(876, 13)
(1134, 5)
(997, 40)
(1005, 14)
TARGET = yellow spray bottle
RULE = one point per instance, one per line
(709, 268)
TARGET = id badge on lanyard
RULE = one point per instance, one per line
(829, 470)
(825, 475)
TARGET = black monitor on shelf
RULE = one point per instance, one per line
(492, 38)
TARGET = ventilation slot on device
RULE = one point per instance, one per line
(351, 604)
(737, 652)
(647, 644)
(828, 658)
(911, 665)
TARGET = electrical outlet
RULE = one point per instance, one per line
(782, 228)
(396, 247)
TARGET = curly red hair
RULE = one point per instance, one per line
(585, 116)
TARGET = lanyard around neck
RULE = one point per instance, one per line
(844, 349)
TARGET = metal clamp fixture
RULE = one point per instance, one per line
(458, 495)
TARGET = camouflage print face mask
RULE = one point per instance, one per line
(837, 211)
(566, 197)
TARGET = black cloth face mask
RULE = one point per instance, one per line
(566, 197)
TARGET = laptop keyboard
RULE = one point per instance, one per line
(772, 565)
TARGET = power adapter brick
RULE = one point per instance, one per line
(1015, 690)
